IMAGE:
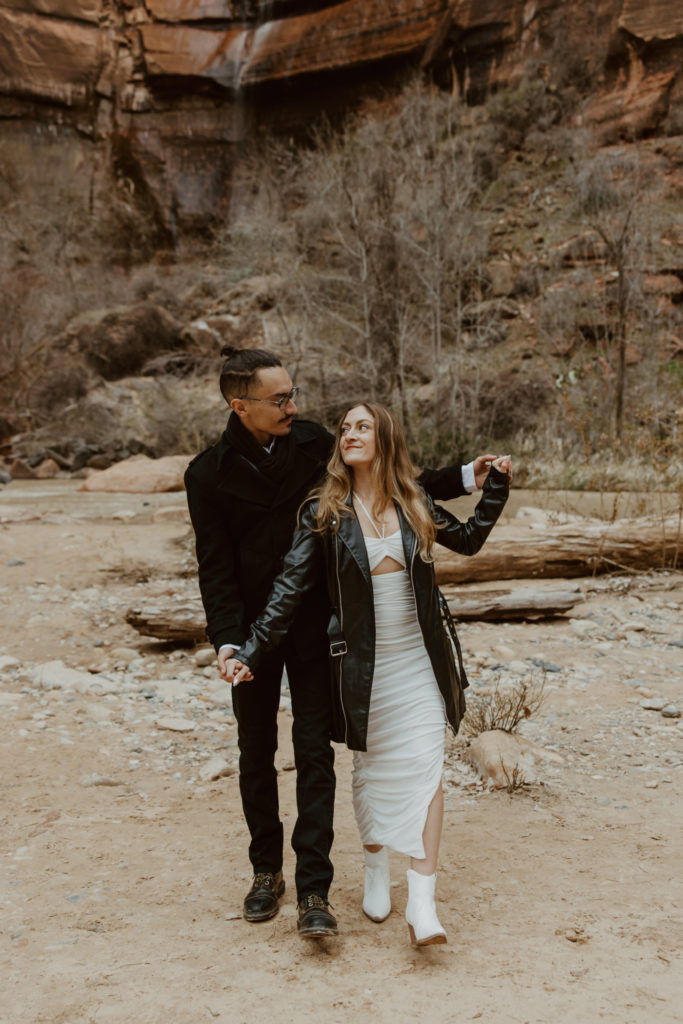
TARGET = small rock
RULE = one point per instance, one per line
(670, 711)
(652, 784)
(582, 627)
(99, 713)
(99, 780)
(547, 666)
(206, 656)
(54, 675)
(8, 699)
(175, 724)
(216, 768)
(503, 651)
(124, 654)
(653, 703)
(519, 667)
(16, 561)
(6, 661)
(172, 514)
(171, 689)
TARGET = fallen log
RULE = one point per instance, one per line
(519, 550)
(508, 605)
(528, 549)
(182, 623)
(185, 623)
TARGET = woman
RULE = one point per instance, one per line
(370, 530)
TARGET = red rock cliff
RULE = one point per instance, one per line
(161, 91)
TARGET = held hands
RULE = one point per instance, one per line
(232, 669)
(483, 463)
(237, 672)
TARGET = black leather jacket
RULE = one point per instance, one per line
(340, 557)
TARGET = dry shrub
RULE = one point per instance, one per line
(502, 708)
(515, 779)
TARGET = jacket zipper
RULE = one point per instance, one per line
(412, 562)
(341, 627)
(412, 580)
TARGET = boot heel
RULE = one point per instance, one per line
(423, 924)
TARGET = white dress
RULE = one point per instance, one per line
(395, 780)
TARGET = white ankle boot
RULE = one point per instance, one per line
(423, 924)
(376, 896)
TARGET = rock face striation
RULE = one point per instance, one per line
(159, 93)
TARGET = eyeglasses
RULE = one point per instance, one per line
(280, 402)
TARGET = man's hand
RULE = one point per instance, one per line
(225, 659)
(481, 467)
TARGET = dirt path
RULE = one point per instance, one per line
(122, 870)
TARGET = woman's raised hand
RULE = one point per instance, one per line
(504, 465)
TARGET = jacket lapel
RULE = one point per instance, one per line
(238, 478)
(407, 536)
(352, 537)
(305, 470)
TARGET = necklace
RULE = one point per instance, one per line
(372, 521)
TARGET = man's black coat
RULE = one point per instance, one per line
(244, 524)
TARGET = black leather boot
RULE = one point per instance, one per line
(261, 902)
(315, 920)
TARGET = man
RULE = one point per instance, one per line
(244, 494)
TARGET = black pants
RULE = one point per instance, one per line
(256, 706)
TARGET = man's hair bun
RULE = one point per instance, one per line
(229, 351)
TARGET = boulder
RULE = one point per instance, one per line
(140, 475)
(118, 342)
(138, 415)
(47, 470)
(20, 470)
(503, 757)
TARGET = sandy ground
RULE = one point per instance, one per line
(122, 871)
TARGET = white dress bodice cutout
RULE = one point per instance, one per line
(380, 548)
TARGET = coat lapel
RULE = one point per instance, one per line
(352, 537)
(239, 478)
(407, 536)
(305, 470)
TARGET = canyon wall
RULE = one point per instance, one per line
(156, 96)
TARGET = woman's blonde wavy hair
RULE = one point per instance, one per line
(394, 476)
